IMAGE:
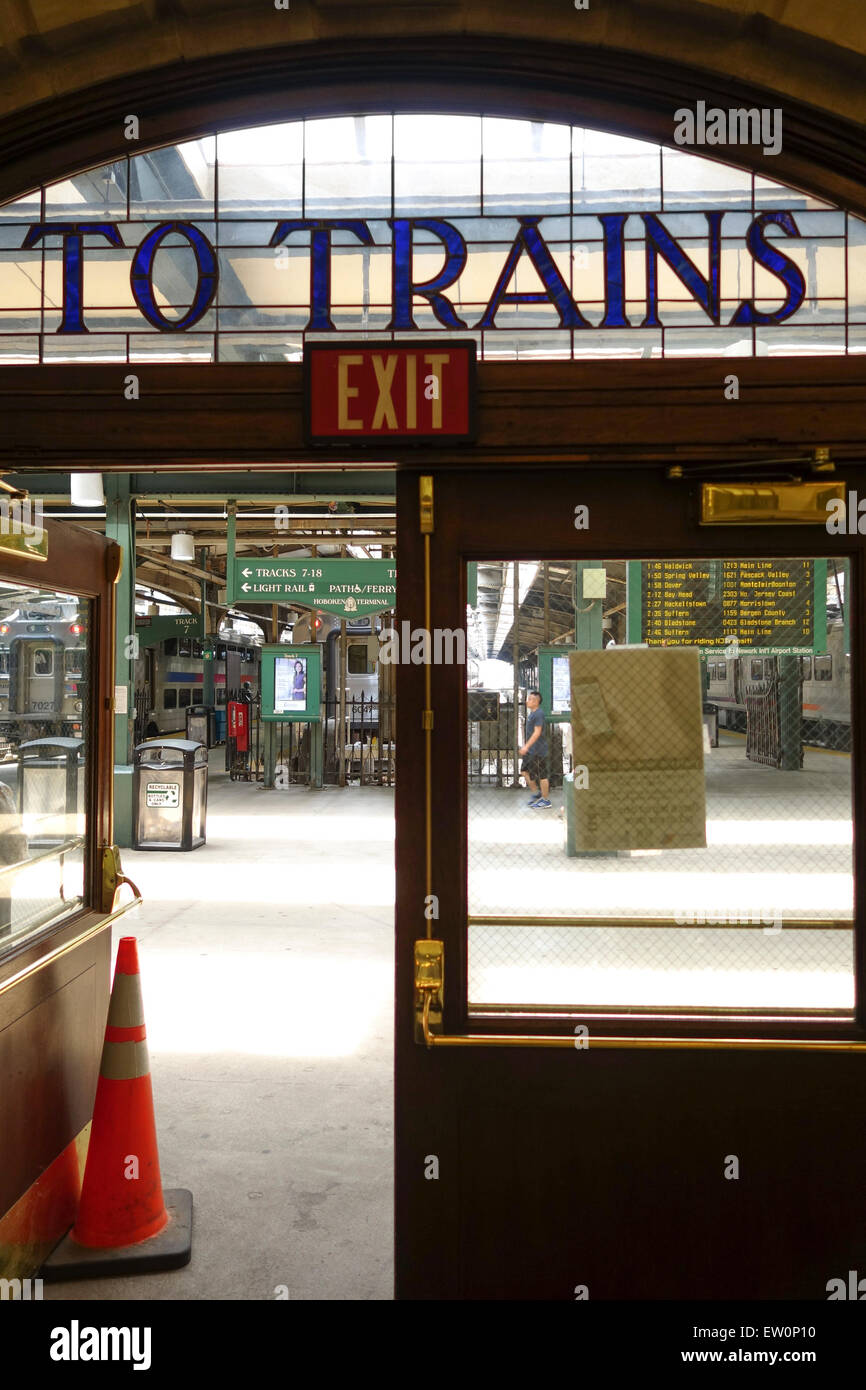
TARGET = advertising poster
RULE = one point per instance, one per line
(290, 684)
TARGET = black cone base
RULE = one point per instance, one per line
(170, 1248)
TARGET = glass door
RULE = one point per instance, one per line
(659, 786)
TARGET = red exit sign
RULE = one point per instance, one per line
(391, 391)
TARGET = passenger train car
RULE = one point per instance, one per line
(43, 671)
(826, 686)
(169, 677)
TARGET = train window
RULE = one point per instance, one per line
(184, 646)
(43, 803)
(757, 669)
(73, 661)
(170, 646)
(357, 660)
(824, 667)
(806, 668)
(184, 697)
(220, 693)
(4, 663)
(169, 699)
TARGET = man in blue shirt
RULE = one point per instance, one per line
(535, 753)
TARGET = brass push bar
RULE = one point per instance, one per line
(57, 853)
(429, 1000)
(430, 979)
(72, 945)
(789, 924)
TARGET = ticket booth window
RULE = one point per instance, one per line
(45, 742)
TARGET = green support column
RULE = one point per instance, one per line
(316, 758)
(207, 692)
(231, 527)
(587, 611)
(269, 754)
(120, 527)
(790, 714)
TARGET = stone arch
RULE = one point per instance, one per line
(185, 67)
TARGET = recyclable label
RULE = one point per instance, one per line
(164, 795)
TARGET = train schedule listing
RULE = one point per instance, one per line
(764, 605)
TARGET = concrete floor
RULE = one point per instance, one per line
(268, 996)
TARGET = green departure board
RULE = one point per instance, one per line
(768, 607)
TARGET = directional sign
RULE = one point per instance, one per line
(352, 588)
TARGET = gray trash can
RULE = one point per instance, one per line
(201, 725)
(710, 715)
(169, 794)
(51, 792)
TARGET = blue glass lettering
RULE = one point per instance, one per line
(320, 261)
(790, 274)
(141, 276)
(659, 242)
(614, 270)
(556, 292)
(73, 263)
(402, 317)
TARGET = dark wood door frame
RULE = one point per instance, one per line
(552, 1174)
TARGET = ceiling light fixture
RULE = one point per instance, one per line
(85, 490)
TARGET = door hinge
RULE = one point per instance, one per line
(429, 988)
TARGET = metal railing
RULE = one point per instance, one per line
(359, 741)
(492, 747)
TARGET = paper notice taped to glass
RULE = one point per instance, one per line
(637, 727)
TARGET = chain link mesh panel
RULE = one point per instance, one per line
(680, 833)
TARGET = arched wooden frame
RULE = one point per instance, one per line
(603, 88)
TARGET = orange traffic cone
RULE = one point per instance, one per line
(124, 1223)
